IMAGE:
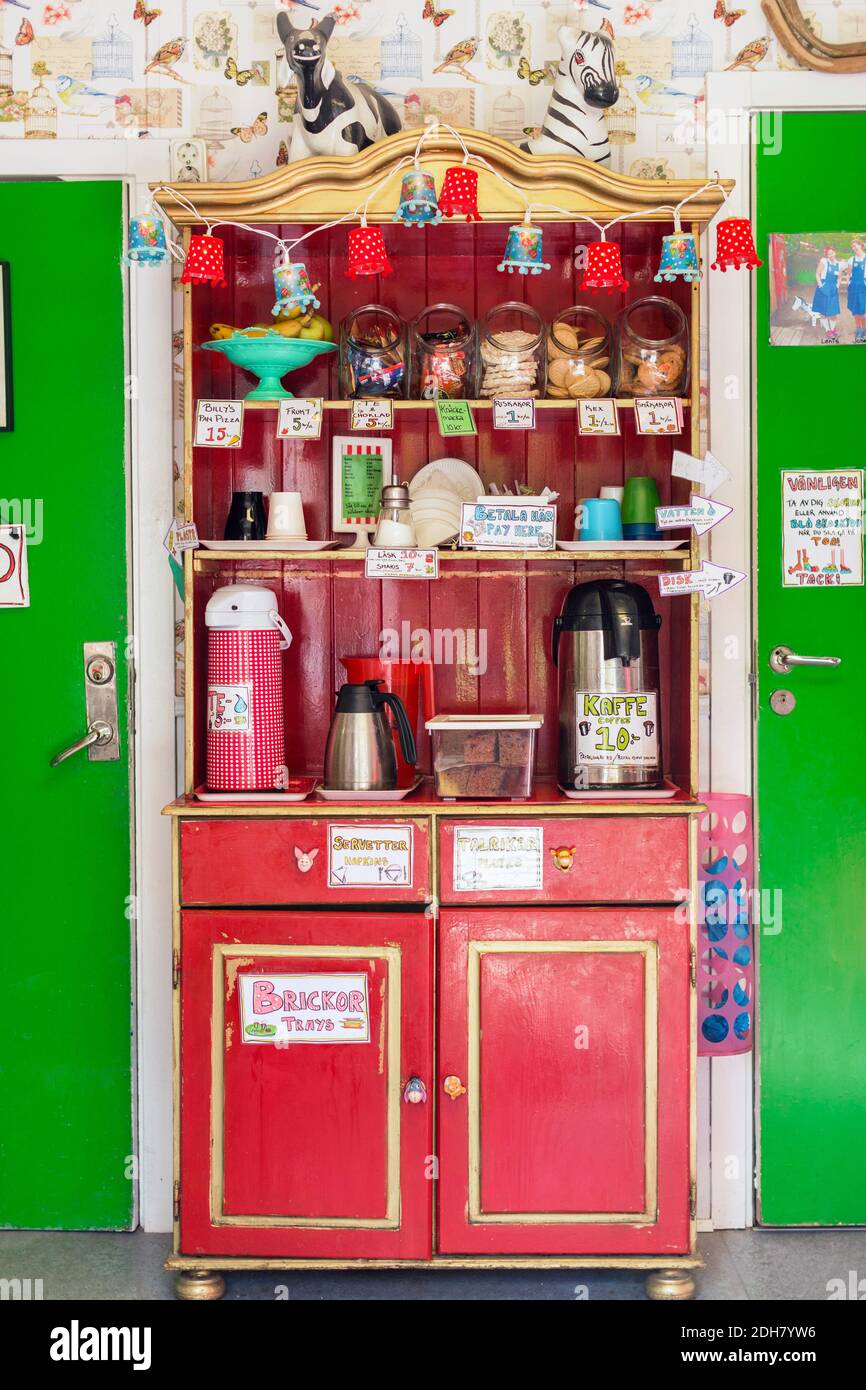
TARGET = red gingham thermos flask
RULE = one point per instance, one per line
(245, 635)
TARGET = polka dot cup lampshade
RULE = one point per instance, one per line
(418, 205)
(726, 969)
(735, 245)
(523, 251)
(459, 195)
(603, 267)
(245, 743)
(204, 262)
(679, 259)
(293, 289)
(367, 253)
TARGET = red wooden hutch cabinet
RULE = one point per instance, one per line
(549, 1032)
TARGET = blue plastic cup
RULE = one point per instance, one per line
(599, 519)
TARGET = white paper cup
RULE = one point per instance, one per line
(614, 492)
(286, 517)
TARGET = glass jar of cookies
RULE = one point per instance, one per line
(443, 354)
(653, 348)
(579, 350)
(373, 354)
(513, 356)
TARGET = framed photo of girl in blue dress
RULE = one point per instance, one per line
(817, 289)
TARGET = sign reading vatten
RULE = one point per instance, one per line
(369, 857)
(319, 1008)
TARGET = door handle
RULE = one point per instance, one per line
(783, 660)
(98, 732)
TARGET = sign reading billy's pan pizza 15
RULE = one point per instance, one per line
(280, 1009)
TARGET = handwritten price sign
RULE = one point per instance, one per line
(513, 413)
(219, 424)
(300, 418)
(597, 417)
(372, 415)
(661, 415)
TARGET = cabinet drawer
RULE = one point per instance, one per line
(271, 862)
(590, 859)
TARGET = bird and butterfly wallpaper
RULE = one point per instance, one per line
(218, 73)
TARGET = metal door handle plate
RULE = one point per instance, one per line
(783, 660)
(98, 732)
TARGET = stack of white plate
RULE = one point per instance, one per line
(437, 494)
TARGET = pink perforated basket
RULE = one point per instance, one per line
(726, 962)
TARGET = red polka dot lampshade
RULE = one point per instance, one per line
(204, 262)
(735, 245)
(459, 193)
(367, 253)
(603, 267)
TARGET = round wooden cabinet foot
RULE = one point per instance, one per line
(199, 1284)
(670, 1284)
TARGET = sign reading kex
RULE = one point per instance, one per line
(282, 1009)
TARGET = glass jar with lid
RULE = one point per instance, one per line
(373, 354)
(444, 342)
(579, 351)
(653, 348)
(512, 351)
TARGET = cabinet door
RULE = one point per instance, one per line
(299, 1031)
(570, 1031)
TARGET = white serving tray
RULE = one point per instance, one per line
(620, 545)
(663, 793)
(299, 789)
(399, 794)
(271, 545)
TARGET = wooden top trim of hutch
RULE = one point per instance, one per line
(320, 188)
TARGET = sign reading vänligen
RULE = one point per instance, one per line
(304, 1008)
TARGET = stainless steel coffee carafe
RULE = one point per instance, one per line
(359, 755)
(605, 645)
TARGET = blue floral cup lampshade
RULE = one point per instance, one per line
(418, 204)
(679, 258)
(293, 289)
(146, 245)
(523, 251)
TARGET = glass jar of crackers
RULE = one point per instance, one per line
(513, 356)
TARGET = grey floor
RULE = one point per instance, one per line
(740, 1266)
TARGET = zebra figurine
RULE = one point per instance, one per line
(332, 116)
(585, 86)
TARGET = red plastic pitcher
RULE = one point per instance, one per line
(404, 678)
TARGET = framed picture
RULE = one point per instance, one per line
(817, 288)
(360, 468)
(5, 349)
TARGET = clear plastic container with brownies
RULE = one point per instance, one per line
(485, 756)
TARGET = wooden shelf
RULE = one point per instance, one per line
(203, 558)
(623, 402)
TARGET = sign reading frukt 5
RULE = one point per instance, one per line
(283, 1009)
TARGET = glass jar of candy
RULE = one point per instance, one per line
(373, 354)
(653, 348)
(579, 350)
(444, 342)
(512, 351)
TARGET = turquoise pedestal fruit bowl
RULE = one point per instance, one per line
(269, 358)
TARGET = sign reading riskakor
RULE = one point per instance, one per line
(379, 857)
(304, 1008)
(615, 730)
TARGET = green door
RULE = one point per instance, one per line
(811, 762)
(66, 1139)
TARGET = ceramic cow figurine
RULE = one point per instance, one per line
(332, 116)
(585, 86)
